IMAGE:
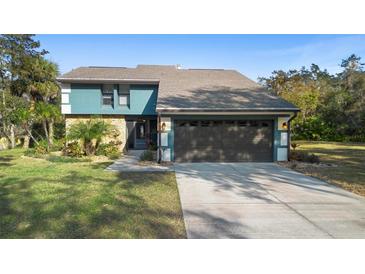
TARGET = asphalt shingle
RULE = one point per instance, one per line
(189, 89)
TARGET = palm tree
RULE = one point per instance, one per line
(37, 83)
(90, 133)
(44, 88)
(24, 117)
(47, 113)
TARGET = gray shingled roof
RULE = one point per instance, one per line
(189, 89)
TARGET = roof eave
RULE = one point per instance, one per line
(243, 110)
(106, 80)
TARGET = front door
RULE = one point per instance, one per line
(140, 139)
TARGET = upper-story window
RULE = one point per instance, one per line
(107, 95)
(124, 95)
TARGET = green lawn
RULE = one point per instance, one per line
(348, 159)
(61, 197)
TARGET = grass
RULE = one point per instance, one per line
(60, 197)
(347, 159)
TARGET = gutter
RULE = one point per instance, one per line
(69, 80)
(289, 133)
(182, 110)
(292, 117)
(159, 150)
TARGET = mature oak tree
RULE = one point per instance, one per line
(332, 106)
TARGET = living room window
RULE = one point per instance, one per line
(107, 95)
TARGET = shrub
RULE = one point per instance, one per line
(152, 146)
(58, 145)
(114, 155)
(147, 155)
(90, 133)
(355, 138)
(294, 145)
(72, 149)
(302, 156)
(60, 129)
(111, 150)
(316, 129)
(41, 148)
(312, 158)
(30, 152)
(39, 151)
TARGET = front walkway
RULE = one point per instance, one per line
(264, 200)
(130, 163)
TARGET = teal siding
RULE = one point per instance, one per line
(143, 100)
(87, 99)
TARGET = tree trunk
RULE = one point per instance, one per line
(51, 131)
(5, 132)
(26, 141)
(89, 148)
(12, 136)
(44, 123)
(29, 132)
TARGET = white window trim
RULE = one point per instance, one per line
(284, 138)
(65, 88)
(166, 155)
(282, 154)
(65, 98)
(66, 109)
(164, 139)
(127, 99)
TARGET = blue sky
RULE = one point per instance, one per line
(252, 55)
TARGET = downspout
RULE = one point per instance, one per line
(159, 152)
(289, 133)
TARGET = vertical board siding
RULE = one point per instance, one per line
(87, 99)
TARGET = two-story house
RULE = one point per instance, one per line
(192, 115)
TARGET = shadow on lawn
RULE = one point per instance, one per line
(5, 161)
(71, 207)
(347, 156)
(65, 159)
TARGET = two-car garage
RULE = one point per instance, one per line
(223, 140)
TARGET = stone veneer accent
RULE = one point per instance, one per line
(116, 120)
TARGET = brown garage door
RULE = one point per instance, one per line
(223, 141)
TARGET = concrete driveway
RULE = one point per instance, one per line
(264, 200)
